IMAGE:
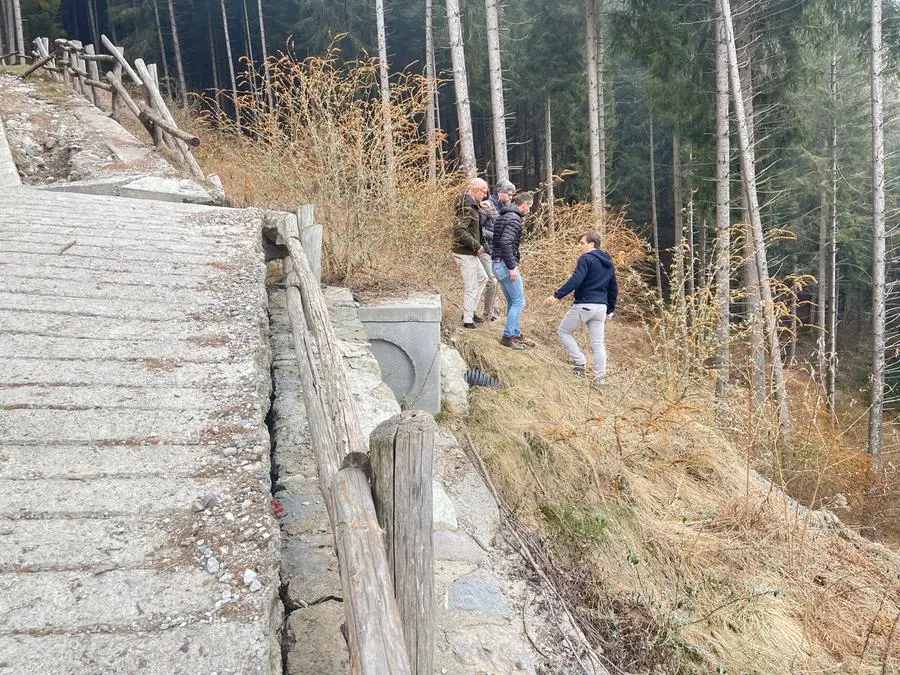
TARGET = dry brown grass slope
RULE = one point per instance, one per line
(675, 554)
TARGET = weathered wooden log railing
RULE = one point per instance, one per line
(388, 594)
(80, 67)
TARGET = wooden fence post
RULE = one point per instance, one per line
(157, 131)
(76, 64)
(377, 646)
(311, 239)
(94, 71)
(402, 452)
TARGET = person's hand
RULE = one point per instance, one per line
(609, 317)
(514, 274)
(550, 301)
(479, 251)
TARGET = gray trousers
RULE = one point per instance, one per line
(594, 317)
(490, 291)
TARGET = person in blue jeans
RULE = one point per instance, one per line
(596, 290)
(505, 258)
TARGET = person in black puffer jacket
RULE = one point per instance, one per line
(505, 255)
(596, 290)
(489, 211)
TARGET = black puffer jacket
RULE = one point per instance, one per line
(488, 214)
(507, 235)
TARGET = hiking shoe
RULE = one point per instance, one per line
(511, 342)
(525, 341)
(578, 370)
(469, 325)
(477, 319)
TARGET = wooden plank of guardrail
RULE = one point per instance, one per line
(163, 109)
(346, 423)
(37, 64)
(377, 646)
(374, 636)
(402, 457)
(118, 54)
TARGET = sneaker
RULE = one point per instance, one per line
(525, 341)
(599, 383)
(477, 319)
(578, 370)
(511, 342)
(469, 325)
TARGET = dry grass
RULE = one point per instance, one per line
(673, 553)
(325, 147)
(677, 555)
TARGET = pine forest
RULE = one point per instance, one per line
(741, 162)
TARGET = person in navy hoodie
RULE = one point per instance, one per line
(595, 288)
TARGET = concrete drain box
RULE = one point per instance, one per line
(406, 340)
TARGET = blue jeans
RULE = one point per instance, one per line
(514, 291)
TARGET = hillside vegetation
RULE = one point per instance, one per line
(672, 537)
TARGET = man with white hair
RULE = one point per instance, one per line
(467, 247)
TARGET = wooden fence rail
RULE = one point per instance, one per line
(80, 66)
(388, 594)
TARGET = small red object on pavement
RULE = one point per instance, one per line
(278, 509)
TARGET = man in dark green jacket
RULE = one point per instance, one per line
(467, 248)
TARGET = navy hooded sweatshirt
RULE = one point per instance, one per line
(593, 281)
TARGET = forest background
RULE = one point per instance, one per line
(811, 105)
(658, 70)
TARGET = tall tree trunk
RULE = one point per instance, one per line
(755, 318)
(600, 34)
(234, 89)
(385, 95)
(704, 232)
(594, 130)
(248, 41)
(832, 244)
(265, 57)
(792, 317)
(162, 49)
(551, 199)
(679, 220)
(461, 85)
(92, 21)
(17, 21)
(691, 264)
(822, 286)
(3, 27)
(876, 412)
(749, 176)
(723, 220)
(430, 122)
(654, 220)
(110, 19)
(495, 71)
(214, 61)
(178, 65)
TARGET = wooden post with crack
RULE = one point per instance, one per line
(402, 454)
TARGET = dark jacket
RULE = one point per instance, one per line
(593, 281)
(507, 235)
(467, 232)
(489, 214)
